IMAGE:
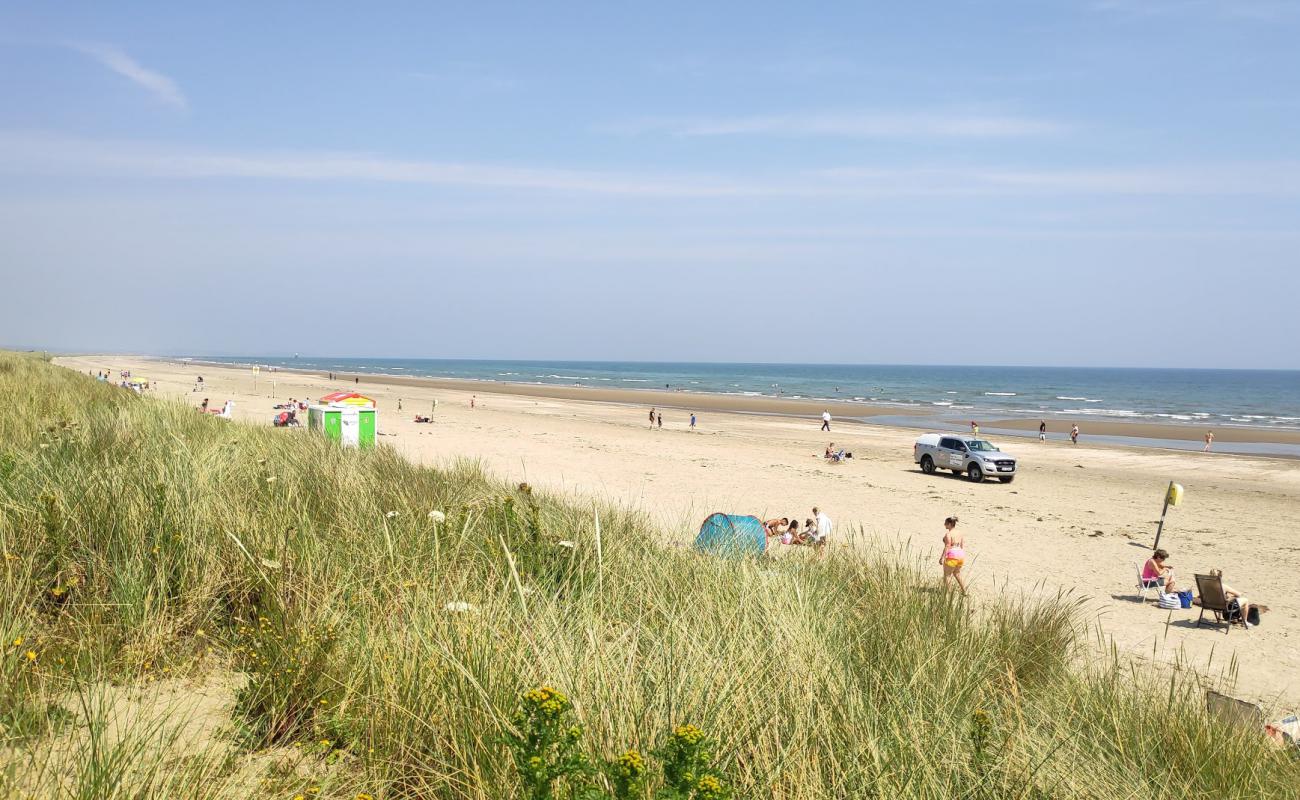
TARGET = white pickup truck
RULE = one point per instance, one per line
(978, 458)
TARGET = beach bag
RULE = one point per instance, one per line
(1185, 598)
(1170, 601)
(1252, 616)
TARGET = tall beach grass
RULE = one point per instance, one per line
(373, 624)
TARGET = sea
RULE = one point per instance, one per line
(1268, 399)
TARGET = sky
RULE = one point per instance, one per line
(1051, 182)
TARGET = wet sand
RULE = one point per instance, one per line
(845, 410)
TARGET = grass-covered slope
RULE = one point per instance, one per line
(377, 622)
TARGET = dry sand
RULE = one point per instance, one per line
(1077, 519)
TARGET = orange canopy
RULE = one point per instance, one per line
(347, 399)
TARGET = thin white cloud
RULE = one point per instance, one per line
(1280, 178)
(27, 154)
(857, 125)
(161, 86)
(24, 153)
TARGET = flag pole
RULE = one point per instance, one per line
(1160, 528)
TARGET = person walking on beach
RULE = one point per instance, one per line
(692, 420)
(473, 399)
(399, 404)
(1074, 433)
(652, 419)
(1209, 440)
(826, 420)
(974, 428)
(1042, 430)
(954, 554)
(660, 420)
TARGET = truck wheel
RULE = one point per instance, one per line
(975, 473)
(1008, 479)
(927, 465)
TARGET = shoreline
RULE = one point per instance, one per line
(1141, 433)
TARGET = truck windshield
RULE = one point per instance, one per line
(980, 445)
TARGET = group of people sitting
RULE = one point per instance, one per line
(836, 455)
(225, 411)
(1158, 573)
(291, 405)
(813, 533)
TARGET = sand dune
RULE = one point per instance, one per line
(1077, 519)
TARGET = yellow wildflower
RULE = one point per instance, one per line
(631, 765)
(31, 655)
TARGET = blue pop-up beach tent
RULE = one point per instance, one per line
(732, 535)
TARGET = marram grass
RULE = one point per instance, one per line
(374, 625)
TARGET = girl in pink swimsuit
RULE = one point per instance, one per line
(954, 554)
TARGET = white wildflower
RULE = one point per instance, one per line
(567, 543)
(458, 606)
(437, 516)
(391, 514)
(271, 479)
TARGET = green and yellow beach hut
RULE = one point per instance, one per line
(344, 417)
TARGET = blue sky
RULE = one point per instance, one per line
(1101, 182)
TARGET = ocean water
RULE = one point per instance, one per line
(1218, 398)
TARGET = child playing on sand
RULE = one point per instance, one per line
(1209, 440)
(1074, 434)
(954, 554)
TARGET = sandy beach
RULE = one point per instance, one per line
(1077, 519)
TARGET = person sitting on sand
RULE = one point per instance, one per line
(954, 554)
(830, 450)
(1232, 594)
(791, 535)
(776, 527)
(1156, 574)
(809, 534)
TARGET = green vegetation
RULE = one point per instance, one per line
(374, 625)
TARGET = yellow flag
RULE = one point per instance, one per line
(1175, 494)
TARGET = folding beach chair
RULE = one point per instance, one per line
(1142, 585)
(1233, 711)
(1213, 599)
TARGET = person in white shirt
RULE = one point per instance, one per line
(826, 420)
(823, 524)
